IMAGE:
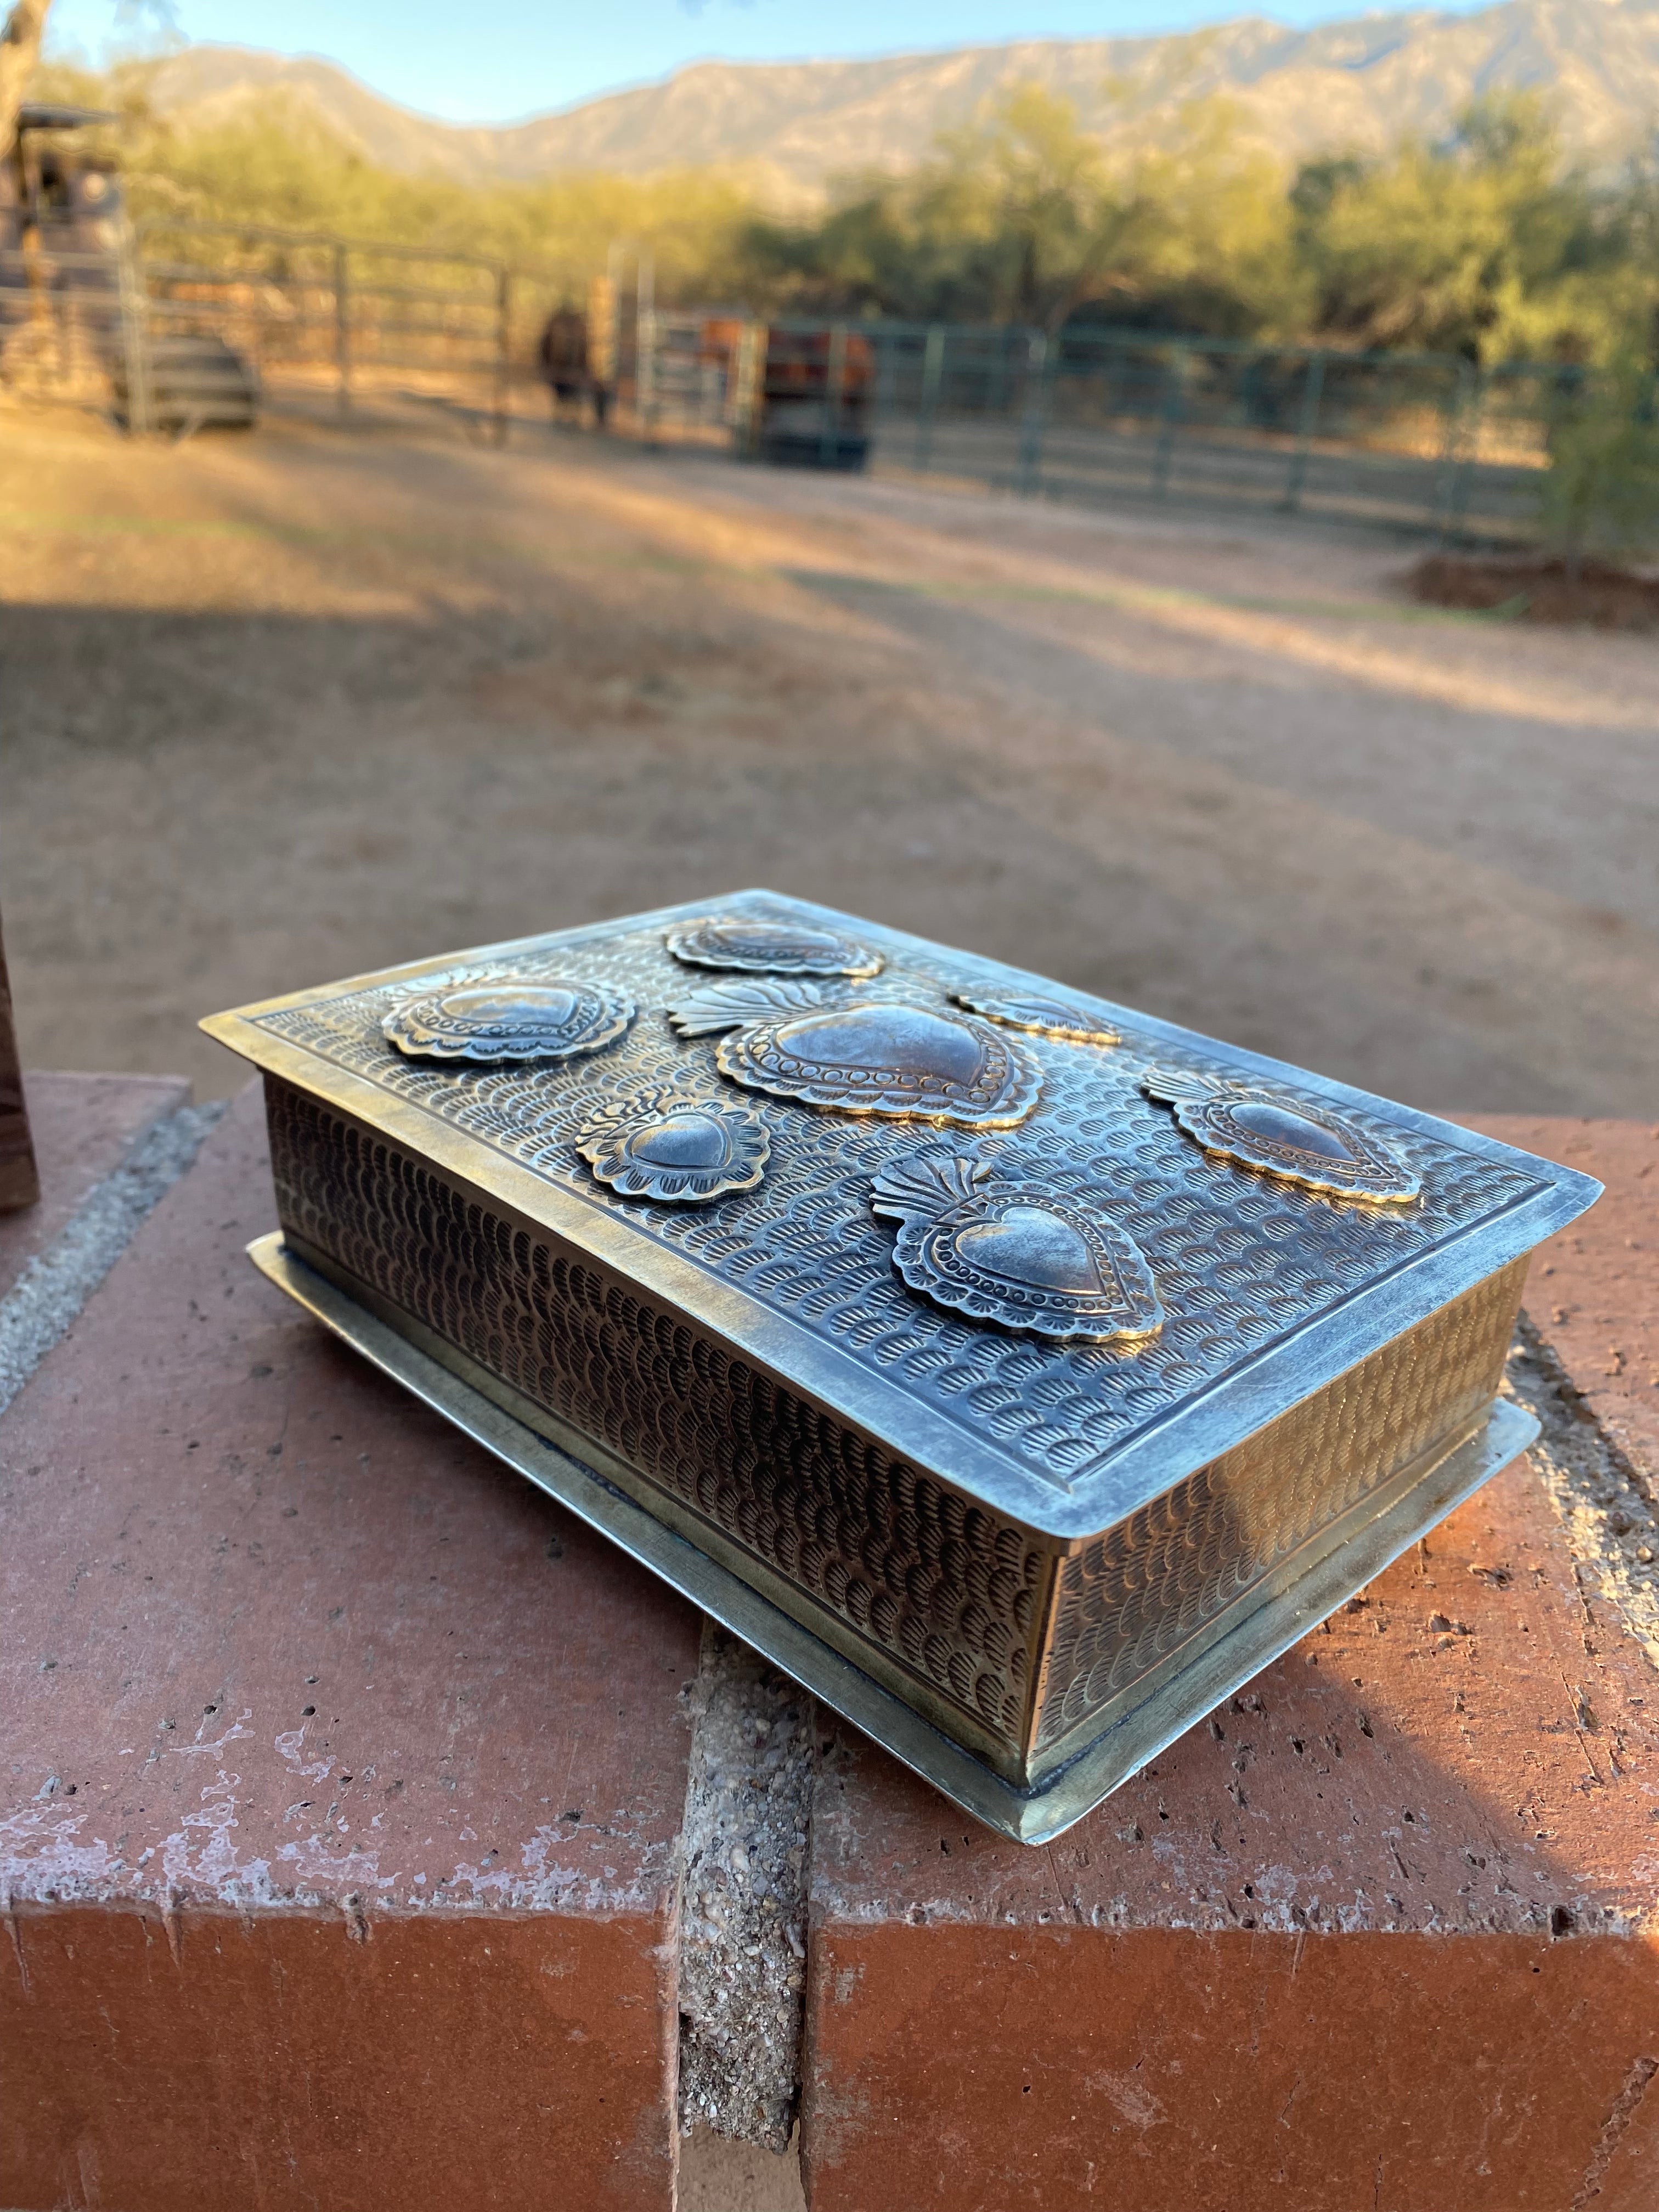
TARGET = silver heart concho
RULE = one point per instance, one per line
(853, 1055)
(500, 1018)
(1301, 1143)
(782, 948)
(1019, 1254)
(675, 1146)
(1042, 1016)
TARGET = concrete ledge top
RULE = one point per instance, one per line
(1594, 1290)
(83, 1127)
(276, 1636)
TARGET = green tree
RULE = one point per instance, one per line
(1014, 220)
(1024, 217)
(1487, 245)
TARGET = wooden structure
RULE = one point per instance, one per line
(20, 1185)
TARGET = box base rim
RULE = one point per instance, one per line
(1035, 1815)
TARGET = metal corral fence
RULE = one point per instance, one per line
(1413, 441)
(332, 315)
(177, 323)
(1410, 441)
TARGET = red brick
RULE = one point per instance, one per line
(1380, 1935)
(411, 1946)
(84, 1126)
(446, 2060)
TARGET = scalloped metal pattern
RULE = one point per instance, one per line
(1129, 1599)
(948, 1590)
(1240, 1261)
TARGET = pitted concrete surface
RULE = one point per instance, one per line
(83, 1127)
(41, 1305)
(235, 1551)
(1606, 1506)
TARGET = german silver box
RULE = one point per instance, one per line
(1020, 1372)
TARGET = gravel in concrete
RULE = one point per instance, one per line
(742, 1913)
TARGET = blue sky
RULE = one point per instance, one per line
(521, 57)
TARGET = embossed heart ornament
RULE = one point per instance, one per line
(1041, 1013)
(554, 1017)
(1300, 1142)
(863, 1055)
(779, 948)
(1015, 1252)
(675, 1146)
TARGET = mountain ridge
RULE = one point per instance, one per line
(1353, 85)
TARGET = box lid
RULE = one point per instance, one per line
(1269, 1289)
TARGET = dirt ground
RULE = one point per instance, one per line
(281, 707)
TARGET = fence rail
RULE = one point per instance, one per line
(274, 295)
(1414, 442)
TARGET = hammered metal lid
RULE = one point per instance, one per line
(1219, 1235)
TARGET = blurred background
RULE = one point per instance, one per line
(1168, 505)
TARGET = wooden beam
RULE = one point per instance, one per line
(20, 1185)
(19, 49)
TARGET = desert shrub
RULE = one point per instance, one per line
(1601, 492)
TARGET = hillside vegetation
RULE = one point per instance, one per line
(1488, 242)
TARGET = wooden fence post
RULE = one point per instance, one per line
(1174, 392)
(645, 349)
(749, 389)
(1312, 391)
(341, 330)
(503, 350)
(835, 388)
(20, 1185)
(933, 375)
(134, 310)
(1038, 369)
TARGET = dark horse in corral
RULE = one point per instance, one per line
(564, 363)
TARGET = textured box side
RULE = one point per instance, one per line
(943, 1599)
(1130, 1599)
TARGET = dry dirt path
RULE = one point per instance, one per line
(280, 709)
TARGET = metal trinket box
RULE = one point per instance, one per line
(1018, 1372)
